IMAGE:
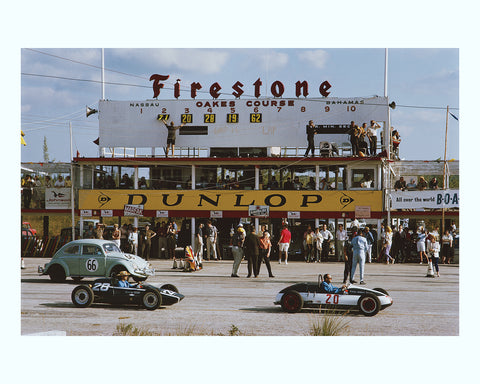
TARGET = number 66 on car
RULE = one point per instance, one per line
(310, 295)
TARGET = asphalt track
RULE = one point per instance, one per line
(216, 304)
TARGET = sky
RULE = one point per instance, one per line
(57, 84)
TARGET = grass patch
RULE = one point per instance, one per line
(329, 323)
(123, 329)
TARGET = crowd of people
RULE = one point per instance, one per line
(33, 188)
(422, 184)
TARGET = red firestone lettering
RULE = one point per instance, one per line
(277, 89)
(301, 88)
(156, 83)
(193, 89)
(214, 90)
(324, 87)
(257, 84)
(237, 87)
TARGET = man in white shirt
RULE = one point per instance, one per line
(327, 237)
(372, 136)
(340, 244)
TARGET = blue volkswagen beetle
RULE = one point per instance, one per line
(94, 258)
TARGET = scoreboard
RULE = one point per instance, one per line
(263, 122)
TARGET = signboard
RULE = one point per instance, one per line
(228, 200)
(58, 198)
(293, 215)
(216, 214)
(86, 213)
(161, 214)
(133, 210)
(258, 210)
(362, 212)
(425, 199)
(106, 213)
(272, 122)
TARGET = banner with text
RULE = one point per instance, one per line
(425, 199)
(58, 198)
(239, 200)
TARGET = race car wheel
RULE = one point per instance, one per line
(57, 273)
(82, 296)
(170, 287)
(368, 304)
(151, 300)
(381, 290)
(292, 302)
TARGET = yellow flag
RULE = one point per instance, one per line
(22, 134)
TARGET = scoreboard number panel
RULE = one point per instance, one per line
(209, 118)
(255, 118)
(232, 118)
(186, 118)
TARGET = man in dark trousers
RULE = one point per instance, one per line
(252, 251)
(310, 135)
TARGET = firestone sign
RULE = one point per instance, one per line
(277, 88)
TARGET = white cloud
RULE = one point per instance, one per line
(316, 58)
(207, 61)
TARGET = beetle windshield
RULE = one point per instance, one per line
(111, 247)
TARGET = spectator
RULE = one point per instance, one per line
(308, 240)
(284, 243)
(412, 184)
(362, 144)
(273, 184)
(110, 182)
(421, 237)
(116, 235)
(366, 182)
(398, 245)
(124, 238)
(48, 182)
(400, 184)
(311, 184)
(354, 133)
(434, 252)
(238, 239)
(198, 247)
(372, 136)
(327, 237)
(98, 232)
(68, 182)
(265, 249)
(288, 185)
(60, 183)
(370, 242)
(422, 184)
(171, 241)
(133, 240)
(396, 143)
(142, 183)
(317, 243)
(147, 245)
(311, 132)
(212, 234)
(433, 183)
(447, 247)
(359, 245)
(388, 244)
(297, 185)
(89, 233)
(341, 236)
(38, 192)
(252, 252)
(125, 182)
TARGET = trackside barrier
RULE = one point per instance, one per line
(34, 246)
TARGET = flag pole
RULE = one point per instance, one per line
(445, 168)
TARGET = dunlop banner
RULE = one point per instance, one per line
(238, 200)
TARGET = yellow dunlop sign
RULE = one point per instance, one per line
(238, 200)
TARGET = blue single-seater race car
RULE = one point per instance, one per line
(310, 295)
(105, 290)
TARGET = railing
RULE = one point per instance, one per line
(34, 246)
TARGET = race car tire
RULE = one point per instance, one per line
(57, 273)
(292, 302)
(170, 287)
(151, 300)
(381, 290)
(82, 296)
(368, 304)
